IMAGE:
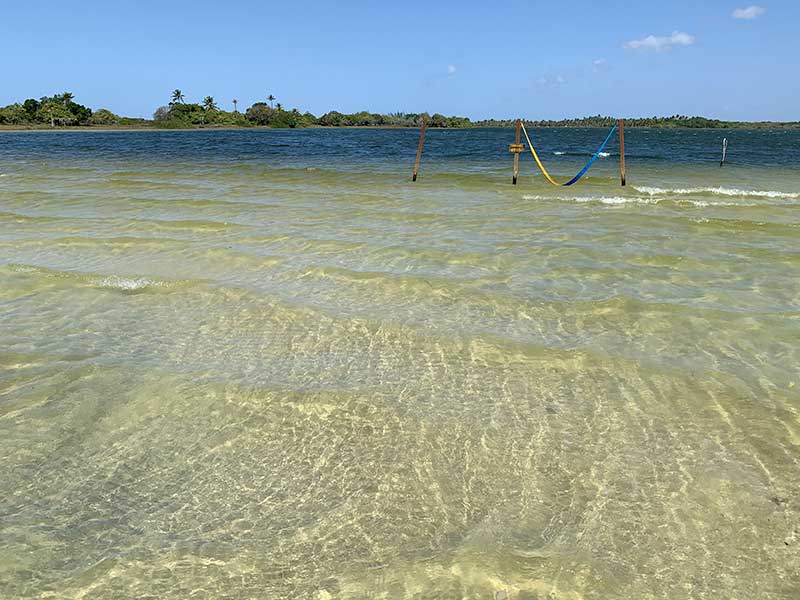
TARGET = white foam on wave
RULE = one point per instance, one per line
(605, 154)
(611, 200)
(124, 283)
(619, 200)
(22, 268)
(559, 153)
(115, 282)
(719, 191)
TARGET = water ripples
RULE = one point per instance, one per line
(232, 371)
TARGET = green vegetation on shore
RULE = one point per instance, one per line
(180, 114)
(674, 122)
(60, 110)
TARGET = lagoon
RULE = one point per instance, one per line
(263, 364)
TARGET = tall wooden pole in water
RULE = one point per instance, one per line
(621, 124)
(516, 154)
(419, 147)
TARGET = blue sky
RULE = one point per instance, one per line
(730, 60)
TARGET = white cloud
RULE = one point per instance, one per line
(560, 79)
(751, 12)
(661, 43)
(451, 69)
(599, 64)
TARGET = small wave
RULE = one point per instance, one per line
(126, 284)
(717, 191)
(611, 200)
(108, 282)
(618, 200)
(580, 154)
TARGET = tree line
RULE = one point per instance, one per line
(61, 110)
(673, 122)
(58, 110)
(179, 114)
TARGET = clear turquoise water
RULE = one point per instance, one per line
(263, 364)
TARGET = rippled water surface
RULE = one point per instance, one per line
(263, 364)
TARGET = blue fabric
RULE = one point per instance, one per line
(594, 158)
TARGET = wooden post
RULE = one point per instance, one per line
(515, 149)
(621, 124)
(419, 147)
(516, 154)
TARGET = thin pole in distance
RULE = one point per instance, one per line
(621, 125)
(419, 147)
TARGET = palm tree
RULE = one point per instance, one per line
(271, 99)
(177, 96)
(280, 108)
(209, 104)
(67, 97)
(235, 102)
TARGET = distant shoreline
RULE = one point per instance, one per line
(745, 125)
(60, 111)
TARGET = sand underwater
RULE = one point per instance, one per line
(263, 364)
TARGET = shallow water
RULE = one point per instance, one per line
(263, 364)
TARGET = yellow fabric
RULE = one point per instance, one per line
(536, 158)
